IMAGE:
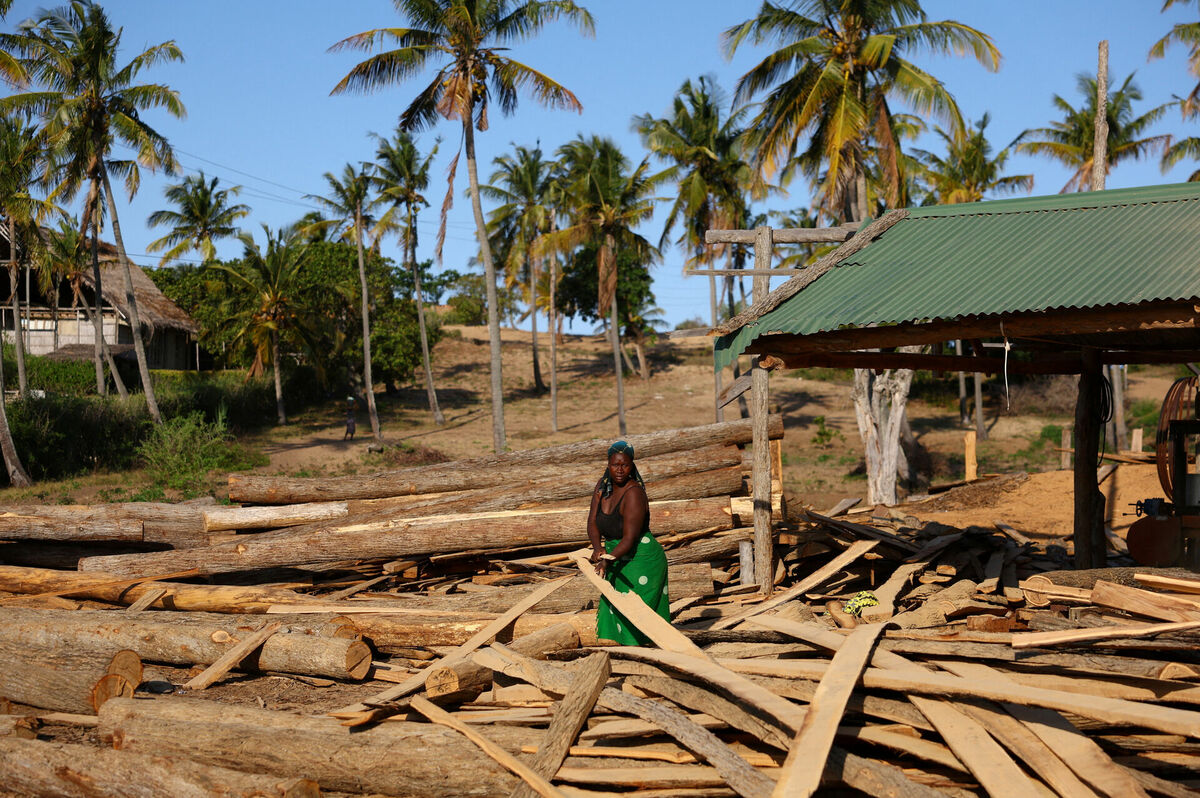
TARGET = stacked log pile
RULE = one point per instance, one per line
(426, 633)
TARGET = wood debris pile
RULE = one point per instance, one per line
(431, 632)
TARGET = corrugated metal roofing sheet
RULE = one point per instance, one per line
(1005, 256)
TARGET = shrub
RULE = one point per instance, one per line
(181, 451)
(58, 436)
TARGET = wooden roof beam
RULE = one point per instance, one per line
(1139, 318)
(787, 235)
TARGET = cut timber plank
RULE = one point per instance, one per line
(887, 593)
(862, 530)
(480, 638)
(1041, 639)
(827, 571)
(806, 759)
(734, 770)
(1143, 602)
(502, 757)
(1080, 753)
(122, 582)
(1019, 739)
(1168, 583)
(229, 660)
(147, 598)
(570, 715)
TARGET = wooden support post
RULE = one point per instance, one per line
(1065, 462)
(970, 465)
(1135, 444)
(1090, 541)
(764, 549)
(746, 563)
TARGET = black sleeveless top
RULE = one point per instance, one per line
(612, 525)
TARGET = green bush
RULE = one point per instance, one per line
(181, 451)
(70, 377)
(58, 436)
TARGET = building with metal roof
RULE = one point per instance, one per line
(1117, 270)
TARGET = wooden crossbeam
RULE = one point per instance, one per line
(787, 235)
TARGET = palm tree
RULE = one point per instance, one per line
(350, 201)
(89, 104)
(1069, 140)
(400, 175)
(1187, 34)
(473, 35)
(204, 214)
(266, 305)
(839, 65)
(712, 175)
(607, 200)
(521, 184)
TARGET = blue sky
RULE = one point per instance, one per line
(257, 77)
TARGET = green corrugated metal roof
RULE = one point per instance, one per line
(1005, 256)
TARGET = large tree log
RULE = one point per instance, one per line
(64, 770)
(396, 758)
(185, 639)
(217, 519)
(28, 526)
(463, 680)
(388, 632)
(383, 535)
(558, 492)
(483, 471)
(100, 587)
(64, 681)
(65, 555)
(708, 549)
(177, 525)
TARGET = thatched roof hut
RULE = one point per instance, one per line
(154, 309)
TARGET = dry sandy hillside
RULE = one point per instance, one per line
(821, 448)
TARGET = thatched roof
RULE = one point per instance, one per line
(154, 309)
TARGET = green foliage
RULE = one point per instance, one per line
(243, 403)
(825, 435)
(577, 294)
(181, 451)
(1144, 413)
(468, 303)
(70, 377)
(694, 323)
(63, 435)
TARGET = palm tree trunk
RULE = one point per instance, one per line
(538, 384)
(639, 349)
(107, 353)
(18, 338)
(551, 321)
(489, 271)
(614, 332)
(411, 250)
(97, 319)
(366, 325)
(277, 367)
(16, 472)
(139, 346)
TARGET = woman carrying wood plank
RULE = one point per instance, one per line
(623, 550)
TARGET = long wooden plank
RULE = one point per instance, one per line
(806, 760)
(1042, 639)
(827, 571)
(734, 770)
(570, 715)
(1168, 583)
(229, 660)
(1143, 602)
(476, 640)
(1080, 753)
(1019, 739)
(887, 593)
(1118, 712)
(533, 779)
(969, 740)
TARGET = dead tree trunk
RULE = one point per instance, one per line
(67, 770)
(879, 404)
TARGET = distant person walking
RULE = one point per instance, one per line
(351, 422)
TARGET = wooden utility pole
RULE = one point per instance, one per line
(1089, 536)
(764, 544)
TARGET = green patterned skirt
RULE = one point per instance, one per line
(644, 572)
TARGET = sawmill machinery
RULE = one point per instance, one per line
(1168, 530)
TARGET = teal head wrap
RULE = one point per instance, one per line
(606, 482)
